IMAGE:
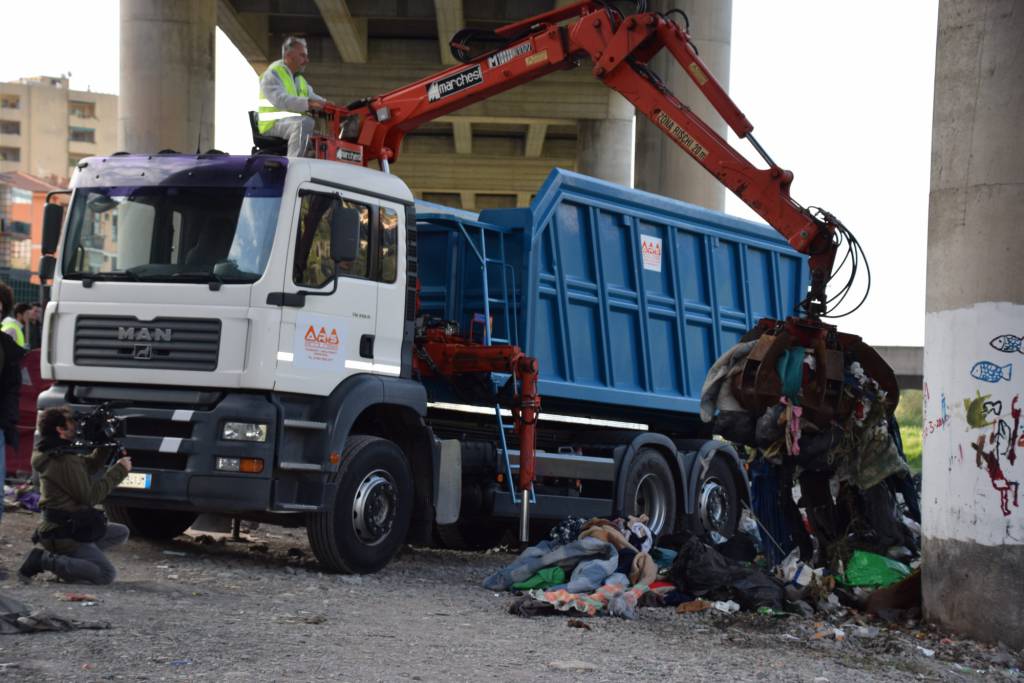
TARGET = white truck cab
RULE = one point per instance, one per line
(200, 295)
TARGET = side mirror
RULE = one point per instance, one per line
(47, 264)
(345, 225)
(53, 217)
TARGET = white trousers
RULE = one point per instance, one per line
(296, 130)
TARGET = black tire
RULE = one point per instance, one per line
(157, 525)
(717, 508)
(368, 511)
(651, 490)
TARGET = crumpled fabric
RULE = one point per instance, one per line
(589, 556)
(567, 531)
(615, 599)
(17, 617)
(702, 571)
(608, 534)
(640, 535)
(716, 394)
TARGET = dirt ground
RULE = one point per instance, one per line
(262, 611)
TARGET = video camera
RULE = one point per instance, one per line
(99, 428)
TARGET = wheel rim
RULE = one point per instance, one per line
(374, 507)
(713, 507)
(651, 500)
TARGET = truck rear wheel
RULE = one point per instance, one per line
(158, 525)
(369, 507)
(717, 509)
(651, 491)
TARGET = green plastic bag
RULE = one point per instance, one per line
(869, 569)
(545, 578)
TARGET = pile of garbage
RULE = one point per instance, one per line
(854, 488)
(21, 496)
(614, 566)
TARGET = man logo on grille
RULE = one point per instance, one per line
(142, 352)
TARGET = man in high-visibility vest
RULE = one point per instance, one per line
(285, 95)
(14, 324)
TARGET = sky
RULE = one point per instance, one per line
(839, 92)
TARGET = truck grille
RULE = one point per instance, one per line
(166, 343)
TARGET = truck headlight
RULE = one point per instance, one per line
(244, 431)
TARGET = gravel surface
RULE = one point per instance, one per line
(193, 609)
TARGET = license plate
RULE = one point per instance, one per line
(137, 480)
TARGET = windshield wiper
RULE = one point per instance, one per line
(89, 278)
(216, 281)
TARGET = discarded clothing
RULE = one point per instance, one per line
(639, 534)
(608, 534)
(567, 531)
(545, 578)
(617, 600)
(17, 617)
(703, 571)
(593, 559)
(716, 394)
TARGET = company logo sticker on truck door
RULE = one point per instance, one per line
(650, 251)
(456, 83)
(317, 343)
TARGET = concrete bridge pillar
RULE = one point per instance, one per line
(167, 75)
(973, 459)
(604, 147)
(661, 166)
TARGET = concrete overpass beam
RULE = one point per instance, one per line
(349, 33)
(535, 134)
(253, 48)
(973, 463)
(662, 167)
(167, 75)
(462, 131)
(450, 18)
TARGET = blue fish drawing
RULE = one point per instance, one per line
(990, 372)
(1007, 343)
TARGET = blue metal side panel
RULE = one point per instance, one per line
(609, 326)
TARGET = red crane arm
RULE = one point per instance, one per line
(620, 49)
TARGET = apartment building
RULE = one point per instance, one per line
(47, 128)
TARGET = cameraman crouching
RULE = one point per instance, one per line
(73, 533)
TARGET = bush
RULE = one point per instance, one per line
(910, 417)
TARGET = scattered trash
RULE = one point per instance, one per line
(302, 619)
(697, 605)
(297, 553)
(259, 548)
(77, 597)
(870, 569)
(176, 553)
(179, 662)
(926, 652)
(728, 606)
(866, 632)
(578, 623)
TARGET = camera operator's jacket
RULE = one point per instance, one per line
(69, 482)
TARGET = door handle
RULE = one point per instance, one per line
(366, 346)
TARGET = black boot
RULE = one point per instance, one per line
(32, 564)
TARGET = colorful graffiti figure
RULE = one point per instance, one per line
(988, 371)
(995, 474)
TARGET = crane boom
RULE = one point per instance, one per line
(620, 48)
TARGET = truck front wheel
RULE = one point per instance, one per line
(651, 491)
(158, 525)
(369, 507)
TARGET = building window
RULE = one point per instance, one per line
(10, 102)
(10, 154)
(82, 134)
(20, 196)
(83, 110)
(10, 128)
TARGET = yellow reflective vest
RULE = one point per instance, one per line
(296, 87)
(9, 324)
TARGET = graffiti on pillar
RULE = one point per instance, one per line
(1007, 343)
(989, 460)
(971, 466)
(977, 415)
(988, 371)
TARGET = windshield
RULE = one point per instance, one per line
(169, 233)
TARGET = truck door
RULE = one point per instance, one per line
(328, 324)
